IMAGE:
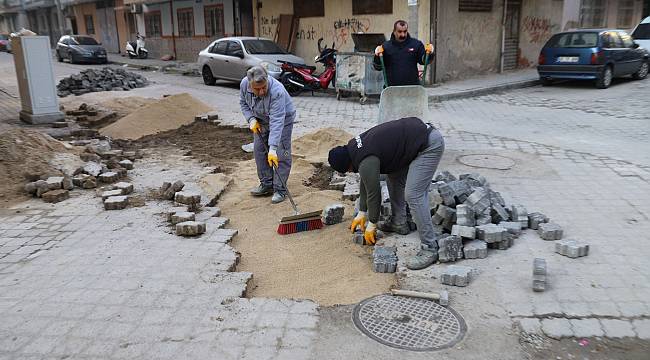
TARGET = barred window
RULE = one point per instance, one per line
(592, 13)
(214, 20)
(153, 24)
(185, 22)
(90, 26)
(475, 5)
(625, 14)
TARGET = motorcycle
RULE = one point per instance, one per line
(300, 77)
(135, 49)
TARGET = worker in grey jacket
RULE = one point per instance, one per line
(408, 151)
(267, 107)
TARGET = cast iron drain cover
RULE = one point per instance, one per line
(487, 161)
(409, 323)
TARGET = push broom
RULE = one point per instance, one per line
(297, 222)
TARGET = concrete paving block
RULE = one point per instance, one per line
(496, 198)
(615, 328)
(461, 190)
(642, 328)
(55, 196)
(450, 248)
(513, 227)
(93, 168)
(333, 214)
(337, 182)
(443, 213)
(474, 179)
(490, 233)
(30, 187)
(571, 248)
(499, 213)
(520, 214)
(127, 164)
(550, 231)
(54, 182)
(109, 177)
(506, 242)
(475, 249)
(539, 274)
(125, 187)
(187, 198)
(352, 186)
(78, 180)
(216, 222)
(89, 183)
(585, 328)
(478, 200)
(465, 215)
(447, 194)
(357, 237)
(483, 218)
(190, 228)
(466, 232)
(444, 176)
(171, 211)
(109, 193)
(534, 219)
(67, 183)
(121, 172)
(455, 275)
(434, 199)
(136, 200)
(182, 216)
(530, 326)
(557, 328)
(384, 259)
(116, 202)
(171, 190)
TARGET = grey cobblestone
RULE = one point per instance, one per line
(557, 328)
(615, 328)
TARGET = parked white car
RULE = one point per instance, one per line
(229, 58)
(641, 33)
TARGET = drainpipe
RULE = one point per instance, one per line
(171, 13)
(503, 35)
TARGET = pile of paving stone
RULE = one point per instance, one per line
(469, 218)
(188, 217)
(104, 168)
(105, 79)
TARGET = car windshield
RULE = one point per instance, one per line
(84, 40)
(573, 40)
(642, 32)
(262, 47)
(4, 37)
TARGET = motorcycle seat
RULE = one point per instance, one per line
(312, 68)
(133, 44)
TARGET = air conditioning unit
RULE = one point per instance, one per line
(136, 8)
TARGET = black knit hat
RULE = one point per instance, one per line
(339, 159)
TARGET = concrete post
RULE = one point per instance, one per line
(413, 18)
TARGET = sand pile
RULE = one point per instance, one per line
(322, 265)
(24, 154)
(169, 113)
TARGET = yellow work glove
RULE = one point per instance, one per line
(370, 235)
(379, 50)
(428, 48)
(360, 221)
(272, 158)
(255, 126)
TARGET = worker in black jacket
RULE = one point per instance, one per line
(408, 151)
(401, 54)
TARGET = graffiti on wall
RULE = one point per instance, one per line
(538, 29)
(268, 25)
(339, 33)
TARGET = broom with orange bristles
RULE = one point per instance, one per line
(297, 222)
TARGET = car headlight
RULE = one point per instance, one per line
(270, 66)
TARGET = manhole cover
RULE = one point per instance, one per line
(487, 161)
(409, 323)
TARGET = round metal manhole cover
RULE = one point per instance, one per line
(487, 161)
(409, 323)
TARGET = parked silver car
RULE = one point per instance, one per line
(229, 58)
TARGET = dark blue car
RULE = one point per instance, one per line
(598, 55)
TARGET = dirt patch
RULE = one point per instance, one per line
(590, 348)
(219, 146)
(169, 113)
(315, 146)
(24, 155)
(322, 265)
(321, 177)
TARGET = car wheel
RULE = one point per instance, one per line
(292, 89)
(208, 78)
(643, 71)
(546, 81)
(58, 57)
(605, 78)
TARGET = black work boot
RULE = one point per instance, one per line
(391, 227)
(262, 190)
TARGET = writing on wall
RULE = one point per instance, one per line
(268, 25)
(339, 33)
(538, 29)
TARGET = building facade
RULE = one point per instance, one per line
(470, 36)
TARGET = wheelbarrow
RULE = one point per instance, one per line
(398, 102)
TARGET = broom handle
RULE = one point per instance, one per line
(424, 73)
(383, 69)
(293, 204)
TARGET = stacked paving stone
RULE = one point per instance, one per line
(333, 214)
(384, 259)
(105, 79)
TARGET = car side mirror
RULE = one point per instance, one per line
(635, 46)
(240, 55)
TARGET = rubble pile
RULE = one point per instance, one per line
(105, 79)
(90, 116)
(188, 218)
(103, 166)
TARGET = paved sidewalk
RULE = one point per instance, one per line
(172, 66)
(483, 85)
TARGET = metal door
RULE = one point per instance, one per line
(108, 25)
(511, 35)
